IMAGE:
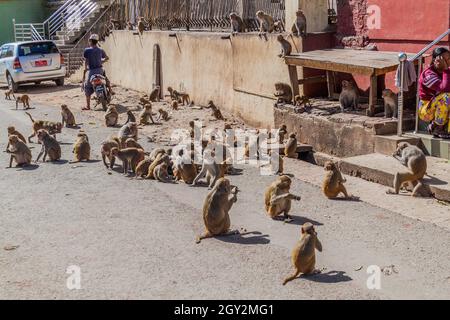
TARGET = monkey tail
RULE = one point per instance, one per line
(32, 120)
(291, 278)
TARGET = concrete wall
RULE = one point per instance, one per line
(316, 12)
(238, 73)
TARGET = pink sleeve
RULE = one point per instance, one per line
(439, 85)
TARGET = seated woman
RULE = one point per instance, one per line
(434, 92)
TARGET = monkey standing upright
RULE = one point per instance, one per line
(130, 157)
(415, 160)
(278, 198)
(50, 146)
(390, 104)
(266, 22)
(237, 24)
(349, 97)
(19, 151)
(304, 253)
(216, 209)
(333, 183)
(286, 47)
(67, 116)
(299, 27)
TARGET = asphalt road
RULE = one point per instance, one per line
(135, 239)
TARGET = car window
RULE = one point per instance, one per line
(3, 51)
(29, 49)
(9, 51)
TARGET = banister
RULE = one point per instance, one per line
(432, 44)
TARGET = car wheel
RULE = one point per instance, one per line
(59, 82)
(11, 84)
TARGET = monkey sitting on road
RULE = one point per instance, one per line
(130, 157)
(25, 100)
(390, 104)
(290, 149)
(216, 112)
(160, 172)
(8, 94)
(266, 22)
(286, 47)
(210, 169)
(184, 168)
(283, 93)
(415, 160)
(304, 253)
(142, 168)
(180, 97)
(163, 115)
(52, 127)
(146, 115)
(299, 26)
(237, 24)
(130, 117)
(144, 100)
(349, 97)
(333, 184)
(128, 131)
(216, 209)
(106, 151)
(111, 117)
(19, 151)
(174, 105)
(13, 132)
(278, 198)
(50, 146)
(160, 158)
(81, 148)
(154, 95)
(67, 116)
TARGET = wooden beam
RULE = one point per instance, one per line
(330, 84)
(373, 95)
(311, 80)
(293, 76)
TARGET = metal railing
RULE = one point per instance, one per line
(28, 31)
(402, 60)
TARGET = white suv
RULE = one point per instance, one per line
(34, 61)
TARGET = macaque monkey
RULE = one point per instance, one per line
(182, 98)
(290, 149)
(302, 104)
(52, 127)
(282, 132)
(299, 26)
(278, 198)
(390, 104)
(25, 100)
(130, 117)
(128, 131)
(81, 148)
(8, 94)
(237, 24)
(304, 253)
(266, 22)
(174, 105)
(278, 26)
(19, 151)
(210, 169)
(130, 26)
(13, 132)
(68, 119)
(154, 154)
(111, 117)
(349, 97)
(163, 115)
(184, 168)
(146, 115)
(283, 93)
(130, 157)
(144, 100)
(216, 210)
(50, 147)
(415, 160)
(106, 149)
(160, 158)
(142, 168)
(154, 95)
(333, 183)
(216, 112)
(141, 25)
(286, 47)
(160, 173)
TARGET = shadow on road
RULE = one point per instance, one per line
(45, 88)
(248, 238)
(300, 221)
(29, 167)
(329, 277)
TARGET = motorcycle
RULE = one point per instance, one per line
(102, 94)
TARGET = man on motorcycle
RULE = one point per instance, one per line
(94, 58)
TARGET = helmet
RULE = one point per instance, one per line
(94, 37)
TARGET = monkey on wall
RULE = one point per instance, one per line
(266, 22)
(349, 97)
(283, 93)
(299, 27)
(237, 24)
(304, 253)
(286, 47)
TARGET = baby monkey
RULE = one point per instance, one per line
(8, 94)
(163, 115)
(304, 253)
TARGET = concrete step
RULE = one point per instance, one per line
(381, 169)
(387, 145)
(435, 147)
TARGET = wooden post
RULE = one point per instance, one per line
(330, 84)
(293, 75)
(373, 95)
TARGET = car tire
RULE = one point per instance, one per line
(11, 84)
(59, 82)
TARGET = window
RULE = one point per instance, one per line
(3, 51)
(9, 51)
(37, 49)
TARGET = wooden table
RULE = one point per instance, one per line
(362, 62)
